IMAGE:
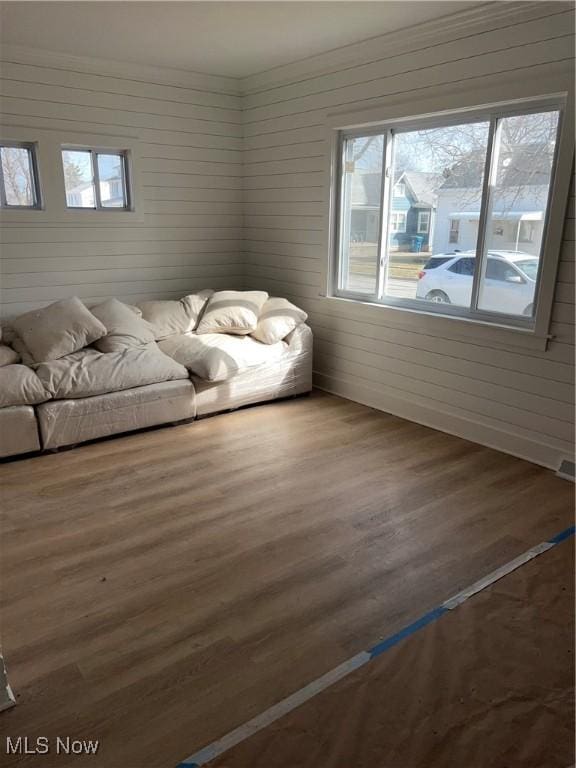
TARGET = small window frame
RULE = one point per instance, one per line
(419, 230)
(124, 154)
(32, 148)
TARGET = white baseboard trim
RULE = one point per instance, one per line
(517, 445)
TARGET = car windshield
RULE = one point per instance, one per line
(529, 267)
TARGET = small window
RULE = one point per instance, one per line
(454, 230)
(96, 179)
(18, 176)
(400, 189)
(423, 222)
(398, 222)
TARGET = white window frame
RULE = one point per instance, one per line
(506, 331)
(34, 174)
(400, 216)
(399, 189)
(124, 154)
(420, 230)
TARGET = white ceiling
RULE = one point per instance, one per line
(236, 39)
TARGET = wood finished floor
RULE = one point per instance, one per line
(161, 588)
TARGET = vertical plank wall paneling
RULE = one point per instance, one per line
(190, 133)
(517, 401)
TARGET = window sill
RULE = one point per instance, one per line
(458, 328)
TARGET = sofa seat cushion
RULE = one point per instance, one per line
(67, 422)
(19, 385)
(18, 431)
(217, 356)
(89, 372)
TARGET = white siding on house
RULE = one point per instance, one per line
(515, 400)
(190, 134)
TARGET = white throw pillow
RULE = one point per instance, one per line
(8, 356)
(278, 318)
(58, 330)
(232, 312)
(125, 328)
(170, 317)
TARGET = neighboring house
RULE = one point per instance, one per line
(365, 206)
(519, 202)
(412, 212)
(82, 195)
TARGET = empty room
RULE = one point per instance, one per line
(287, 384)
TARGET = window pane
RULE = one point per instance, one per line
(360, 213)
(438, 175)
(112, 187)
(18, 176)
(521, 174)
(78, 178)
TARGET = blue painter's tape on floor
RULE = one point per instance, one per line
(427, 618)
(269, 716)
(563, 535)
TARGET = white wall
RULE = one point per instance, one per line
(513, 399)
(190, 136)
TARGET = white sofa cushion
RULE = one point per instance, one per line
(217, 357)
(19, 385)
(170, 317)
(8, 356)
(58, 329)
(232, 312)
(125, 326)
(89, 372)
(277, 319)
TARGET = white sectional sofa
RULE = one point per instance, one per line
(71, 373)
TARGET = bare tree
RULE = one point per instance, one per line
(17, 176)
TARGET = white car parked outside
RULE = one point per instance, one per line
(509, 284)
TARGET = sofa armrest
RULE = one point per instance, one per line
(300, 339)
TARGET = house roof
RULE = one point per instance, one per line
(424, 187)
(366, 188)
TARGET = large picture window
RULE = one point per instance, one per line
(448, 214)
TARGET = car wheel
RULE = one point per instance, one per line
(529, 309)
(439, 297)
